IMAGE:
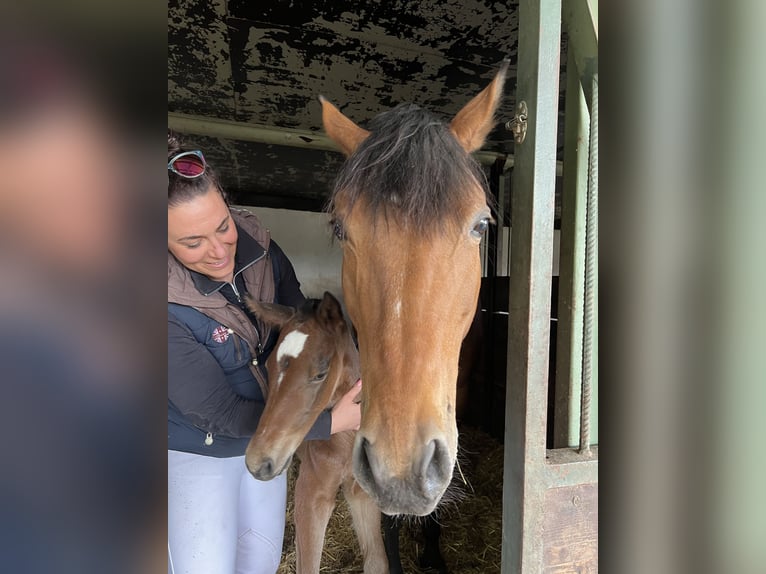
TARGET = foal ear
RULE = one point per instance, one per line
(271, 313)
(330, 313)
(472, 124)
(341, 130)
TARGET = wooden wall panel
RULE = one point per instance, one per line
(570, 530)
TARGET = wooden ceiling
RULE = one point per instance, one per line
(244, 76)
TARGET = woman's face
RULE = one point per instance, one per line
(202, 235)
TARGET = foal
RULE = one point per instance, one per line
(314, 363)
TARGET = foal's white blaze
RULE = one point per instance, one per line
(292, 345)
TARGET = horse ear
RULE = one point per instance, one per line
(473, 123)
(270, 313)
(330, 313)
(341, 130)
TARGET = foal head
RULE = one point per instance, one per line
(313, 364)
(410, 208)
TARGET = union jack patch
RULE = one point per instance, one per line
(221, 334)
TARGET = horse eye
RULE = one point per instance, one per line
(338, 231)
(320, 377)
(480, 228)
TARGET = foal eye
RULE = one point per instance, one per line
(320, 377)
(480, 228)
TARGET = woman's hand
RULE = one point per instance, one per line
(347, 413)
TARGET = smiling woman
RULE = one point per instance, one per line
(203, 237)
(220, 519)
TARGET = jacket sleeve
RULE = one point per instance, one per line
(198, 388)
(321, 428)
(288, 288)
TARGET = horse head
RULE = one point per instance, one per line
(410, 207)
(314, 362)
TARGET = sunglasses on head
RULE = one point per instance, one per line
(188, 164)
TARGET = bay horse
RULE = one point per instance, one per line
(314, 363)
(410, 206)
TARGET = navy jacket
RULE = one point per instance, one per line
(217, 350)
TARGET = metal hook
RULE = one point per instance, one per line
(518, 125)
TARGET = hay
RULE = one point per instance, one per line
(471, 527)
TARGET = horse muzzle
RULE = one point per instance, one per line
(416, 491)
(265, 468)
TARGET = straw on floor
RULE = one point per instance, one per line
(471, 527)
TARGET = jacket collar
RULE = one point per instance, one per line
(249, 251)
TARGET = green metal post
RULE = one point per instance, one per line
(572, 263)
(530, 288)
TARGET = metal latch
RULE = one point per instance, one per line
(518, 125)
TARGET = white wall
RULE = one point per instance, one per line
(306, 239)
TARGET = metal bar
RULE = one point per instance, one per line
(530, 289)
(500, 252)
(591, 267)
(580, 19)
(242, 131)
(227, 129)
(571, 264)
(494, 233)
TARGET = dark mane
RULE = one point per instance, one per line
(410, 167)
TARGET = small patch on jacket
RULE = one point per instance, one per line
(221, 334)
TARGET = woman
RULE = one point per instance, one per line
(221, 519)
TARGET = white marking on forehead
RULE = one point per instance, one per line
(292, 345)
(279, 380)
(395, 289)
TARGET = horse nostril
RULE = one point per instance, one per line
(435, 468)
(262, 471)
(363, 460)
(366, 464)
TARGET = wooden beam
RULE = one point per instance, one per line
(569, 467)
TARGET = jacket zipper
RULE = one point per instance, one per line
(234, 278)
(234, 288)
(208, 435)
(239, 298)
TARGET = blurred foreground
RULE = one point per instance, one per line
(82, 343)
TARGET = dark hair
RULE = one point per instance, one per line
(181, 189)
(412, 167)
